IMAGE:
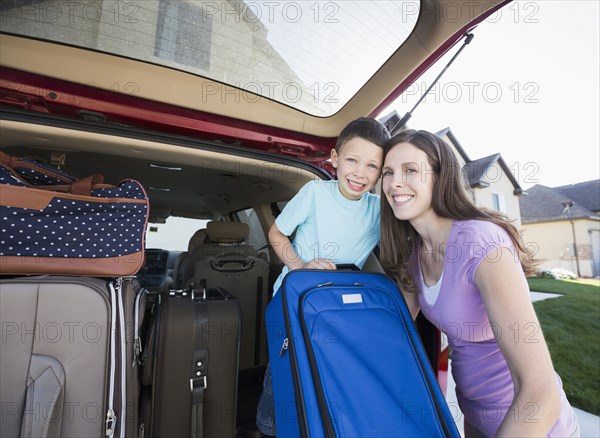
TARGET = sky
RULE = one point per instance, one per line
(526, 87)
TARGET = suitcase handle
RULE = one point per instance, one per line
(209, 294)
(83, 186)
(12, 163)
(193, 294)
(7, 160)
(347, 267)
(241, 265)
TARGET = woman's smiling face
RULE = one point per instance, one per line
(408, 182)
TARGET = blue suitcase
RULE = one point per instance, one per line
(346, 360)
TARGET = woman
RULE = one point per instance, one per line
(464, 267)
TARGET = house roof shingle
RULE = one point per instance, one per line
(545, 203)
(476, 170)
(585, 193)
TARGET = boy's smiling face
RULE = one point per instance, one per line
(358, 167)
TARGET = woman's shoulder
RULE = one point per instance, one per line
(480, 231)
(476, 225)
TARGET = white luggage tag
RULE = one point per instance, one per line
(351, 298)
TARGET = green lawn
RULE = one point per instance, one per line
(571, 326)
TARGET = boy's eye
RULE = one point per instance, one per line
(373, 166)
(351, 160)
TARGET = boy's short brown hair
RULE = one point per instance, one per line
(366, 128)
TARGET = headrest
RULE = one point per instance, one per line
(198, 238)
(227, 232)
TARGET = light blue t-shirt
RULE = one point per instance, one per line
(330, 226)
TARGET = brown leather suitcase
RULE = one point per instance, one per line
(194, 360)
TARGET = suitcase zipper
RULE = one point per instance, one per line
(111, 417)
(298, 395)
(123, 342)
(137, 342)
(284, 347)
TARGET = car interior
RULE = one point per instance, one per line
(192, 178)
(237, 192)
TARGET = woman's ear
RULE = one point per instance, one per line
(334, 158)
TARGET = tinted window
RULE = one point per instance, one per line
(257, 238)
(174, 234)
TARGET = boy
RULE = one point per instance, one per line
(335, 221)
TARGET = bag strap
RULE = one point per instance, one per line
(7, 160)
(83, 186)
(198, 379)
(12, 163)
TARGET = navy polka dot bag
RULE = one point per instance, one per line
(53, 223)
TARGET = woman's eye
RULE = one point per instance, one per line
(410, 171)
(387, 173)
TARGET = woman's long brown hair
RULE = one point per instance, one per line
(450, 200)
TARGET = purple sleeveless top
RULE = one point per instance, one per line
(484, 387)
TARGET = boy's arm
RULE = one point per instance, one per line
(283, 248)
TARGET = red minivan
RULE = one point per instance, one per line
(222, 110)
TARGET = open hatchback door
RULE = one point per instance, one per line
(222, 110)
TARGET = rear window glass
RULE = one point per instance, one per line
(311, 55)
